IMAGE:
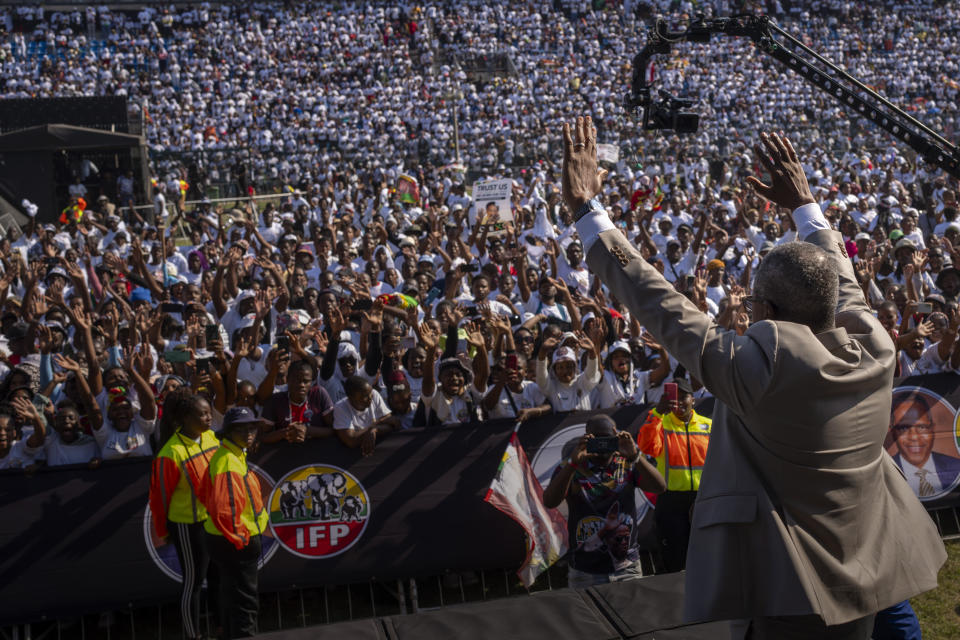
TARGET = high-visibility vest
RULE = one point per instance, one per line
(176, 480)
(73, 212)
(232, 497)
(680, 449)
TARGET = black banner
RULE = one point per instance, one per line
(75, 540)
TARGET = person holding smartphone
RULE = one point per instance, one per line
(598, 481)
(677, 437)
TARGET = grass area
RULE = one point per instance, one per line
(939, 610)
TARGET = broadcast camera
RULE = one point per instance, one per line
(668, 114)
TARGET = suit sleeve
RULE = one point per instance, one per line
(736, 369)
(164, 476)
(650, 436)
(226, 500)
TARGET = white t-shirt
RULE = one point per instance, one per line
(19, 456)
(456, 409)
(254, 370)
(568, 397)
(80, 451)
(577, 279)
(928, 362)
(528, 398)
(125, 444)
(346, 417)
(716, 294)
(612, 392)
(556, 310)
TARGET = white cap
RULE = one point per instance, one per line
(564, 354)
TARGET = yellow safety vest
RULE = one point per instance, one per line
(177, 478)
(232, 496)
(680, 449)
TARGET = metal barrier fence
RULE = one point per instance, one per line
(304, 607)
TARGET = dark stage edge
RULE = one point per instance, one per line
(645, 609)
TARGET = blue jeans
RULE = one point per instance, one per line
(898, 622)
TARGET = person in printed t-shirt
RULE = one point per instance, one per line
(600, 492)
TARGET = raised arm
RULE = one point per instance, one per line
(788, 188)
(148, 402)
(429, 339)
(736, 369)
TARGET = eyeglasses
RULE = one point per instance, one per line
(524, 339)
(923, 429)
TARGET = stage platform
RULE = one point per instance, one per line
(644, 609)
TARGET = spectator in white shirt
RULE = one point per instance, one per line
(13, 451)
(362, 417)
(565, 388)
(457, 397)
(66, 443)
(510, 396)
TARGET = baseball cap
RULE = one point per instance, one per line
(140, 294)
(620, 345)
(683, 385)
(564, 354)
(241, 415)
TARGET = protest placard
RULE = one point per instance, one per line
(608, 153)
(491, 200)
(408, 189)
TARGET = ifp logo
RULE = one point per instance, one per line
(318, 511)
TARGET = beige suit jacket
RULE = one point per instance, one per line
(800, 508)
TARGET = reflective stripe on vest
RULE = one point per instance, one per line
(231, 459)
(684, 451)
(193, 459)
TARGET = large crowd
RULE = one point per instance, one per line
(350, 308)
(344, 288)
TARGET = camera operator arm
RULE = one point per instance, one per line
(774, 41)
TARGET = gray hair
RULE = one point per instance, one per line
(800, 281)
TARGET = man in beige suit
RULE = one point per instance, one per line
(803, 524)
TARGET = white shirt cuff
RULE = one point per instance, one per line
(808, 219)
(590, 226)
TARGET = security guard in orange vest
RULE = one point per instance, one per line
(677, 437)
(178, 473)
(237, 519)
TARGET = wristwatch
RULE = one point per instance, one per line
(593, 204)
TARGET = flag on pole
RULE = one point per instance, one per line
(408, 189)
(516, 492)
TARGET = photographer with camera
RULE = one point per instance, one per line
(599, 480)
(677, 436)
